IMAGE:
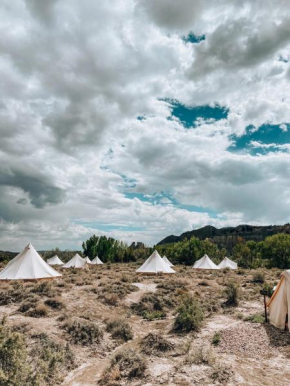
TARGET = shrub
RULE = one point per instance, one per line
(44, 288)
(216, 338)
(268, 288)
(189, 315)
(256, 318)
(232, 294)
(14, 368)
(40, 311)
(55, 303)
(201, 355)
(111, 299)
(51, 358)
(259, 277)
(83, 332)
(120, 330)
(152, 315)
(126, 364)
(222, 374)
(154, 344)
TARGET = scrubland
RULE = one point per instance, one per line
(106, 325)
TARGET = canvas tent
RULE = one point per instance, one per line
(279, 304)
(167, 261)
(75, 262)
(154, 264)
(205, 263)
(87, 260)
(97, 261)
(227, 263)
(55, 260)
(28, 265)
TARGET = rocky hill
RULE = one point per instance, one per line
(230, 236)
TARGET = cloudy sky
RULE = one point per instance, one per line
(141, 118)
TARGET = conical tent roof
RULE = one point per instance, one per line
(167, 261)
(205, 263)
(279, 304)
(75, 262)
(28, 265)
(227, 263)
(55, 260)
(155, 264)
(97, 260)
(87, 260)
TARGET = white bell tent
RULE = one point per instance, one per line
(279, 304)
(154, 264)
(167, 261)
(28, 265)
(55, 260)
(75, 262)
(97, 261)
(227, 263)
(87, 260)
(205, 263)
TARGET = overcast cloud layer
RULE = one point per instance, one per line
(89, 143)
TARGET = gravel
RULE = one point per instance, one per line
(248, 339)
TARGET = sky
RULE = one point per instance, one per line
(138, 119)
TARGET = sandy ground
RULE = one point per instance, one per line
(271, 366)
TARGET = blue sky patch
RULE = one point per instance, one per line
(192, 38)
(265, 135)
(190, 116)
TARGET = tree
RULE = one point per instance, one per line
(277, 249)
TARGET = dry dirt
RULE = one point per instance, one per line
(247, 354)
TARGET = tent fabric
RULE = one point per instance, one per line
(87, 260)
(97, 260)
(55, 260)
(205, 263)
(155, 264)
(75, 262)
(227, 263)
(28, 265)
(167, 261)
(279, 304)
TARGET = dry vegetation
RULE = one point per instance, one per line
(96, 326)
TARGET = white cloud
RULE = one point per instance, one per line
(76, 76)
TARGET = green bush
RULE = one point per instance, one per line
(259, 277)
(119, 329)
(83, 332)
(14, 368)
(189, 315)
(216, 338)
(126, 364)
(55, 303)
(256, 318)
(154, 344)
(232, 294)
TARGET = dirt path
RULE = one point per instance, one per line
(88, 373)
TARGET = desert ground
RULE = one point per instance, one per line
(106, 325)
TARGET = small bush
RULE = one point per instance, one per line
(189, 315)
(232, 294)
(222, 374)
(154, 344)
(259, 277)
(216, 338)
(269, 289)
(201, 355)
(120, 330)
(40, 311)
(111, 299)
(55, 303)
(83, 332)
(126, 364)
(256, 318)
(152, 315)
(44, 288)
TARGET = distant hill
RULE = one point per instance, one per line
(228, 237)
